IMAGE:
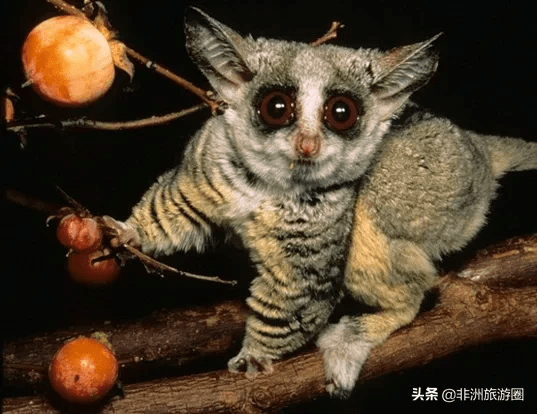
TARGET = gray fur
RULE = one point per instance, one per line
(326, 208)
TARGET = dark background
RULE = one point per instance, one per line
(485, 82)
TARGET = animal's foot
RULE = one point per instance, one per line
(344, 353)
(250, 364)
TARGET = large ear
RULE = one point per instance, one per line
(218, 51)
(400, 72)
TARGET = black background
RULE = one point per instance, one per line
(485, 82)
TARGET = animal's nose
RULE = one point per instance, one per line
(307, 146)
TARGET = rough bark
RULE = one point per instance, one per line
(174, 338)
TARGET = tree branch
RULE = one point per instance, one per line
(329, 35)
(67, 8)
(104, 126)
(170, 337)
(33, 203)
(189, 86)
(471, 310)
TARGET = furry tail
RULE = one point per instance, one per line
(511, 154)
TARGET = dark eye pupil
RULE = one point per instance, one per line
(276, 107)
(340, 112)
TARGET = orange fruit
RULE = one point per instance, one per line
(68, 61)
(83, 370)
(83, 268)
(79, 233)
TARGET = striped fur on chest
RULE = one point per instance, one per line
(299, 248)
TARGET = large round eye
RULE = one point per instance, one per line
(276, 109)
(340, 113)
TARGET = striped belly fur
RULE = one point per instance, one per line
(299, 249)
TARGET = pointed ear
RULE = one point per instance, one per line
(218, 51)
(400, 72)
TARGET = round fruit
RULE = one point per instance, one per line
(68, 61)
(83, 268)
(79, 233)
(83, 370)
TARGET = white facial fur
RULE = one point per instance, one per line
(314, 75)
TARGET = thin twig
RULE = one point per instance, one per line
(36, 204)
(8, 113)
(67, 8)
(201, 93)
(331, 34)
(164, 267)
(72, 201)
(107, 126)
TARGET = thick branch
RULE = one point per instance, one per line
(170, 337)
(462, 319)
(468, 313)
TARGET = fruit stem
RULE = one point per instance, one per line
(27, 83)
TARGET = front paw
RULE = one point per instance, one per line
(120, 232)
(344, 353)
(250, 364)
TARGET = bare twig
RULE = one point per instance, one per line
(203, 94)
(33, 203)
(106, 126)
(331, 34)
(67, 8)
(148, 260)
(72, 201)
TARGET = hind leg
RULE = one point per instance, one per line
(347, 344)
(389, 275)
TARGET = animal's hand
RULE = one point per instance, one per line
(121, 233)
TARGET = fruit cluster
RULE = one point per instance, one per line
(88, 261)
